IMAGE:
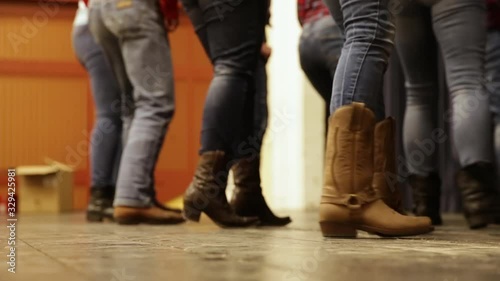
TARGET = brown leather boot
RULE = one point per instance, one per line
(247, 199)
(385, 165)
(349, 202)
(207, 193)
(150, 215)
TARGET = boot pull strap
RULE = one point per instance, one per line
(357, 116)
(351, 201)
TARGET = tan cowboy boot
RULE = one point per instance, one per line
(385, 165)
(349, 202)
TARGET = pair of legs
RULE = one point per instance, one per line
(461, 33)
(134, 39)
(460, 30)
(105, 144)
(259, 96)
(235, 113)
(319, 49)
(360, 143)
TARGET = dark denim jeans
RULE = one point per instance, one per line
(493, 84)
(369, 32)
(320, 45)
(459, 27)
(232, 33)
(135, 41)
(105, 144)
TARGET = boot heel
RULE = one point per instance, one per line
(127, 220)
(95, 216)
(190, 213)
(332, 229)
(479, 221)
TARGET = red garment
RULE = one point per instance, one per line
(310, 10)
(169, 8)
(493, 7)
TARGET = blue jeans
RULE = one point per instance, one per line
(369, 33)
(260, 109)
(135, 41)
(320, 45)
(105, 144)
(459, 27)
(493, 84)
(232, 33)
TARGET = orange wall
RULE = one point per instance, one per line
(46, 108)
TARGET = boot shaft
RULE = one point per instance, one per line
(213, 169)
(349, 163)
(384, 157)
(246, 173)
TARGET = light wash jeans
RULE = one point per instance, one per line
(460, 30)
(135, 41)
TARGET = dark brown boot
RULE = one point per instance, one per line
(480, 198)
(207, 193)
(427, 196)
(349, 202)
(385, 165)
(100, 205)
(247, 199)
(149, 215)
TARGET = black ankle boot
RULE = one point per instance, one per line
(427, 196)
(207, 193)
(481, 201)
(101, 203)
(247, 199)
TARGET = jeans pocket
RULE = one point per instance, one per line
(121, 16)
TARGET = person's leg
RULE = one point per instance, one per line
(245, 171)
(319, 51)
(417, 49)
(493, 85)
(369, 32)
(134, 38)
(235, 37)
(460, 27)
(260, 115)
(235, 32)
(247, 199)
(195, 15)
(105, 142)
(358, 149)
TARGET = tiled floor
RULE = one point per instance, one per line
(66, 248)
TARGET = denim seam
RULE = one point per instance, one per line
(367, 50)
